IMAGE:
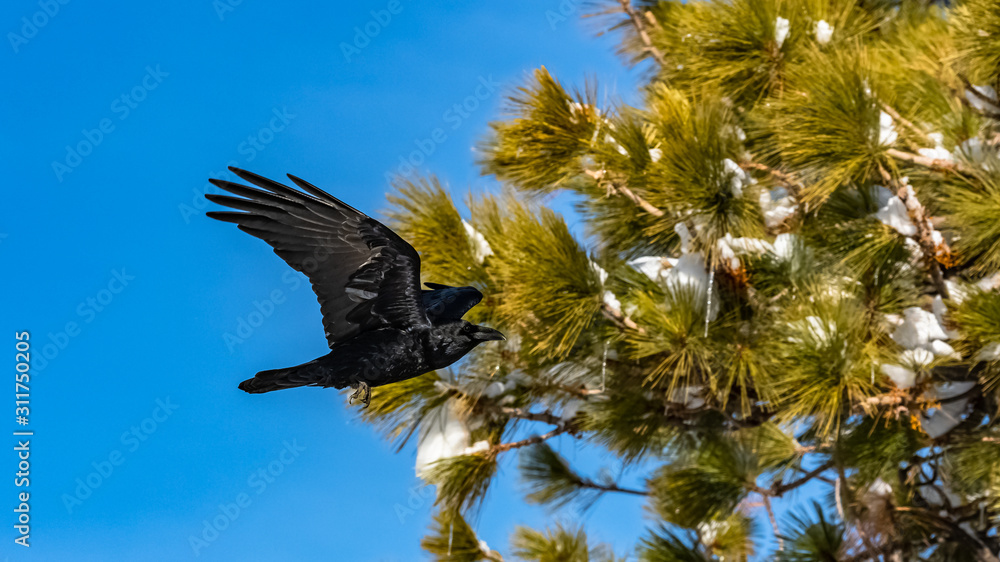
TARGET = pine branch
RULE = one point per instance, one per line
(979, 95)
(844, 490)
(531, 440)
(612, 488)
(546, 417)
(774, 522)
(794, 186)
(779, 489)
(620, 319)
(640, 28)
(983, 553)
(905, 122)
(582, 392)
(619, 188)
(924, 239)
(935, 164)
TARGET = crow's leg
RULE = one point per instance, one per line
(363, 394)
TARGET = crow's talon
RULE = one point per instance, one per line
(363, 394)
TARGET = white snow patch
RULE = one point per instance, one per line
(650, 266)
(709, 530)
(981, 104)
(601, 274)
(480, 247)
(939, 152)
(494, 389)
(955, 291)
(611, 140)
(784, 246)
(916, 254)
(477, 447)
(821, 331)
(943, 349)
(886, 131)
(917, 357)
(612, 301)
(990, 352)
(823, 32)
(781, 29)
(880, 488)
(894, 214)
(949, 389)
(685, 235)
(727, 254)
(730, 248)
(744, 245)
(882, 195)
(971, 150)
(570, 410)
(689, 272)
(919, 329)
(934, 497)
(738, 177)
(655, 154)
(583, 108)
(989, 283)
(442, 436)
(912, 203)
(901, 376)
(690, 396)
(938, 421)
(777, 206)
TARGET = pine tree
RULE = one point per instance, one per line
(791, 278)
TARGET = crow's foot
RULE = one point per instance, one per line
(363, 394)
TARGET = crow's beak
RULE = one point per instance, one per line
(489, 334)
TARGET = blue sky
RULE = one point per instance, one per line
(113, 121)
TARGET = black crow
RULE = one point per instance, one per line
(380, 326)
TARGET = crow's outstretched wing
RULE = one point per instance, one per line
(444, 303)
(365, 276)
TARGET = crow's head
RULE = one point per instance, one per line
(452, 340)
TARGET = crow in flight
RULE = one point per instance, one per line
(381, 327)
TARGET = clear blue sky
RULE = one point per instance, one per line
(111, 264)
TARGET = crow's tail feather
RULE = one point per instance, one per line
(312, 373)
